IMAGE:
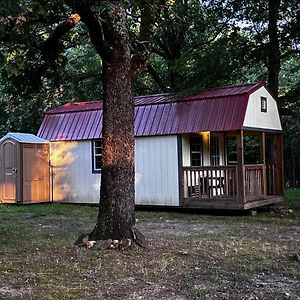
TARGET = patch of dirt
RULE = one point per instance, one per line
(206, 257)
(281, 285)
(12, 290)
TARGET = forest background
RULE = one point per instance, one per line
(195, 45)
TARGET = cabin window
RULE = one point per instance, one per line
(251, 150)
(214, 151)
(231, 151)
(97, 155)
(196, 148)
(263, 101)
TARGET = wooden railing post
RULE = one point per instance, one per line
(240, 168)
(263, 160)
(279, 165)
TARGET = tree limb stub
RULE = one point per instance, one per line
(50, 47)
(94, 24)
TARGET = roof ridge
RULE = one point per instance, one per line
(153, 95)
(233, 86)
(162, 98)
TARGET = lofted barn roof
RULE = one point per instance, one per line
(216, 109)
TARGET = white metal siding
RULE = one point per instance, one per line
(156, 170)
(74, 181)
(257, 119)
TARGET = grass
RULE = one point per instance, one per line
(292, 196)
(293, 193)
(190, 256)
(46, 209)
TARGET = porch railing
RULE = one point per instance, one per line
(271, 179)
(254, 181)
(220, 182)
(209, 182)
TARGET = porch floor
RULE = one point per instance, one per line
(214, 203)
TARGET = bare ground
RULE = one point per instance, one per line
(190, 256)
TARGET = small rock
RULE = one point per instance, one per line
(139, 237)
(125, 243)
(297, 257)
(112, 246)
(82, 240)
(90, 244)
(116, 243)
(283, 210)
(102, 244)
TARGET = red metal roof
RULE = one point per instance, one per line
(227, 91)
(219, 109)
(77, 106)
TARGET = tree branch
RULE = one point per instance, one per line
(160, 53)
(50, 47)
(290, 52)
(142, 47)
(95, 27)
(154, 74)
(165, 53)
(50, 50)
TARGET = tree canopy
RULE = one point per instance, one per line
(46, 57)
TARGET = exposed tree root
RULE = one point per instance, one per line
(89, 241)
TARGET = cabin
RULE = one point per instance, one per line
(218, 149)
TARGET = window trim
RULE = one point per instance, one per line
(94, 170)
(263, 104)
(226, 140)
(215, 156)
(200, 152)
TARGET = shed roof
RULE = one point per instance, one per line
(217, 109)
(24, 138)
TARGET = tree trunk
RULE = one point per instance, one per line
(109, 34)
(273, 47)
(116, 208)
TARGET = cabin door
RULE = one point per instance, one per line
(8, 172)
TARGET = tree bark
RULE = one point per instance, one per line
(117, 194)
(274, 46)
(109, 35)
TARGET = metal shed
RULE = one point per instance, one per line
(24, 169)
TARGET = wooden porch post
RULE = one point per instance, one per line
(240, 167)
(262, 148)
(279, 164)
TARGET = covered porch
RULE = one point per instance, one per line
(240, 169)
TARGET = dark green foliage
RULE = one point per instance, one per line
(35, 75)
(196, 44)
(291, 123)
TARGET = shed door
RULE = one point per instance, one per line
(9, 171)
